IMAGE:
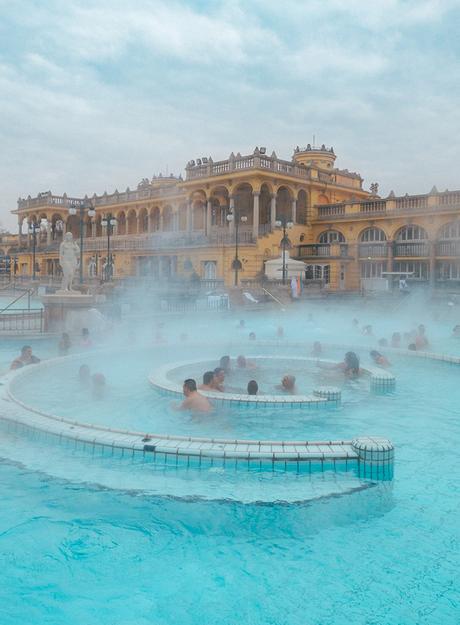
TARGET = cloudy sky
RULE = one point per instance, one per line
(96, 95)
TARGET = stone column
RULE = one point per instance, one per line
(389, 255)
(231, 224)
(139, 224)
(255, 214)
(161, 222)
(294, 211)
(208, 217)
(93, 227)
(432, 264)
(149, 222)
(273, 210)
(19, 233)
(189, 217)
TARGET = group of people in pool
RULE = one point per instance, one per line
(214, 381)
(415, 340)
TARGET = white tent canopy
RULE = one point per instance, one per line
(274, 268)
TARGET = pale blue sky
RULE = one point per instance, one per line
(97, 95)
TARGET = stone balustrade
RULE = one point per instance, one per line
(390, 206)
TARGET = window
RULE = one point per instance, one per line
(417, 267)
(318, 272)
(411, 233)
(210, 269)
(331, 236)
(372, 234)
(450, 231)
(448, 270)
(372, 270)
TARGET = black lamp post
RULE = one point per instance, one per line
(108, 222)
(33, 229)
(285, 224)
(85, 206)
(236, 265)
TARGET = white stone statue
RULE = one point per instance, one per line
(69, 255)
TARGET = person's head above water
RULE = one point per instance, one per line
(84, 373)
(26, 352)
(189, 386)
(253, 387)
(98, 379)
(208, 377)
(241, 362)
(219, 375)
(375, 355)
(351, 362)
(252, 336)
(224, 363)
(288, 382)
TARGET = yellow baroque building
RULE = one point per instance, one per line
(169, 226)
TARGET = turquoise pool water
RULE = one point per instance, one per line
(91, 540)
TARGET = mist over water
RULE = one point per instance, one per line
(321, 544)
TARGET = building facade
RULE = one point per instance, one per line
(169, 226)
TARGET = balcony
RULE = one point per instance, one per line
(414, 249)
(322, 250)
(373, 250)
(448, 248)
(155, 241)
(243, 163)
(404, 205)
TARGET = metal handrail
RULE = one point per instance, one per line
(26, 291)
(274, 298)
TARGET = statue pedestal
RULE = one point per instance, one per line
(64, 310)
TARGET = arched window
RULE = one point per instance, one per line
(411, 233)
(370, 235)
(331, 236)
(450, 230)
(302, 207)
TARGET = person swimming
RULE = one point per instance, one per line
(218, 380)
(287, 384)
(98, 384)
(253, 387)
(379, 359)
(317, 349)
(351, 365)
(64, 344)
(84, 374)
(26, 358)
(243, 363)
(421, 340)
(194, 401)
(208, 379)
(225, 364)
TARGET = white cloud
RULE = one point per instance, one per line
(101, 94)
